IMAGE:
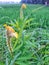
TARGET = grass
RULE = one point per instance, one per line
(32, 46)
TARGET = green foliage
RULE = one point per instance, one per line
(32, 45)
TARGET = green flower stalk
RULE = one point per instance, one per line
(21, 11)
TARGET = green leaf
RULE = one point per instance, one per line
(25, 58)
(1, 63)
(15, 58)
(21, 63)
(29, 20)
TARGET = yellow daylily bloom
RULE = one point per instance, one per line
(11, 32)
(23, 6)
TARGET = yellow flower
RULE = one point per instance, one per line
(23, 6)
(9, 28)
(11, 32)
(14, 34)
